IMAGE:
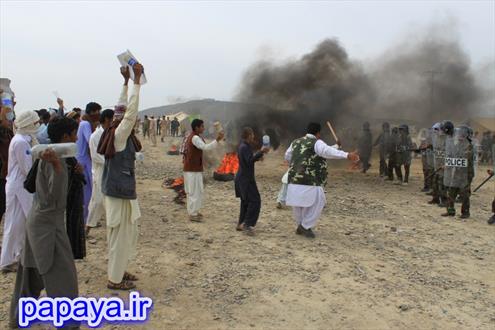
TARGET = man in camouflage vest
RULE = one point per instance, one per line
(308, 175)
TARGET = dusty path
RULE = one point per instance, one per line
(382, 259)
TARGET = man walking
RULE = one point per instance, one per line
(163, 128)
(146, 127)
(175, 127)
(152, 131)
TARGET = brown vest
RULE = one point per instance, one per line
(193, 158)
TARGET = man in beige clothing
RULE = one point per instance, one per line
(119, 145)
(153, 131)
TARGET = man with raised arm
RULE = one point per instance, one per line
(119, 144)
(308, 175)
(193, 167)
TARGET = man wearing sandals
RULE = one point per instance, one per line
(193, 168)
(119, 144)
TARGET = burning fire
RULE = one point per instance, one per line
(176, 185)
(229, 165)
(177, 182)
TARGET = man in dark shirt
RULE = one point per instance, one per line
(365, 146)
(245, 183)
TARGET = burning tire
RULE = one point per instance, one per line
(228, 168)
(173, 151)
(223, 177)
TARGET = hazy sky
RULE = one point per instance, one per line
(200, 49)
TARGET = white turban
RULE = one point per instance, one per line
(26, 118)
(26, 122)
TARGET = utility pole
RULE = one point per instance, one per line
(432, 74)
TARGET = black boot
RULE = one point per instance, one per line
(450, 212)
(491, 221)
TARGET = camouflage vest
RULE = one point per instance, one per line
(306, 167)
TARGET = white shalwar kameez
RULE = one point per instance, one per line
(193, 181)
(96, 206)
(122, 214)
(282, 194)
(18, 199)
(308, 201)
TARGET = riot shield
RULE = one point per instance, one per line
(458, 150)
(439, 150)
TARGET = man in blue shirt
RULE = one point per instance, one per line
(42, 134)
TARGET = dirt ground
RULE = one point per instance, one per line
(382, 259)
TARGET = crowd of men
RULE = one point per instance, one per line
(162, 127)
(52, 200)
(51, 203)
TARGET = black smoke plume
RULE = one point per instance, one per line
(420, 81)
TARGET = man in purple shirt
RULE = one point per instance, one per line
(83, 155)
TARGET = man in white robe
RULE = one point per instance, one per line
(96, 206)
(18, 199)
(307, 176)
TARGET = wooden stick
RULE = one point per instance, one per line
(333, 132)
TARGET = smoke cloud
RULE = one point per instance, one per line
(426, 78)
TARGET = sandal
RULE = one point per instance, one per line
(124, 285)
(129, 277)
(195, 218)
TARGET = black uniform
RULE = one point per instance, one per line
(403, 155)
(383, 142)
(393, 154)
(365, 146)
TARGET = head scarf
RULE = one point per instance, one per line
(26, 123)
(106, 146)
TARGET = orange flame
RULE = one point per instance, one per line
(177, 182)
(229, 165)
